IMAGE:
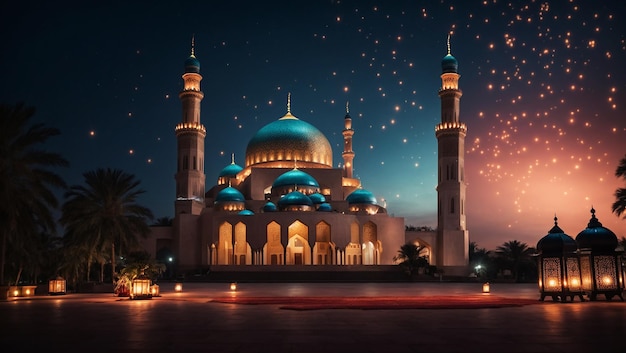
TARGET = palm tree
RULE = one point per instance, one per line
(515, 254)
(26, 179)
(163, 222)
(480, 257)
(619, 206)
(105, 214)
(410, 258)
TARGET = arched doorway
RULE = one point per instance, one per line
(298, 249)
(323, 250)
(225, 244)
(273, 247)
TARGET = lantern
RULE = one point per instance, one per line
(600, 262)
(155, 290)
(558, 265)
(56, 286)
(141, 288)
(486, 288)
(178, 287)
(233, 286)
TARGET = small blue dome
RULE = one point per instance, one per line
(317, 198)
(269, 207)
(556, 242)
(596, 237)
(231, 170)
(449, 64)
(295, 177)
(192, 65)
(361, 196)
(230, 194)
(245, 213)
(295, 198)
(325, 207)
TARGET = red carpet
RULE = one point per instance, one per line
(382, 303)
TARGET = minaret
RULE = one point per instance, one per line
(190, 133)
(348, 153)
(452, 234)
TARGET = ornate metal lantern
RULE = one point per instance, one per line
(559, 266)
(56, 286)
(141, 287)
(600, 262)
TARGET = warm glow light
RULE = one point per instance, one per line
(178, 287)
(233, 286)
(486, 288)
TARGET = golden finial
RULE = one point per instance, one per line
(289, 103)
(193, 40)
(448, 44)
(232, 158)
(347, 107)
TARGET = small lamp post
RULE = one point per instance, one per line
(600, 262)
(141, 287)
(57, 286)
(559, 267)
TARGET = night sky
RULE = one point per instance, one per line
(544, 95)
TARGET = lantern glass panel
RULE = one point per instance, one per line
(141, 287)
(605, 271)
(585, 273)
(551, 274)
(56, 286)
(573, 274)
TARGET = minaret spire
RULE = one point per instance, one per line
(289, 103)
(193, 40)
(190, 134)
(347, 154)
(452, 233)
(232, 158)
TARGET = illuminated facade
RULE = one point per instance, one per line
(287, 205)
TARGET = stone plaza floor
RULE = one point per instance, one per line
(189, 321)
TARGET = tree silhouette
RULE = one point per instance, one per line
(515, 255)
(619, 206)
(105, 214)
(26, 179)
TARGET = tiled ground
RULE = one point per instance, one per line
(189, 322)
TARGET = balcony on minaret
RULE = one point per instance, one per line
(190, 127)
(449, 81)
(450, 127)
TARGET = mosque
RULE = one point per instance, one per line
(288, 205)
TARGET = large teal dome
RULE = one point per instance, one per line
(289, 139)
(295, 177)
